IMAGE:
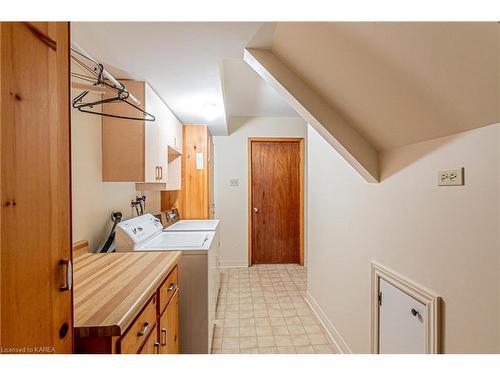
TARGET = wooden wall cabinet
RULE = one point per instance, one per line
(141, 151)
(195, 199)
(36, 300)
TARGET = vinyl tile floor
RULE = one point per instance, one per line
(261, 310)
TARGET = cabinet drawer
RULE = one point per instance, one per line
(139, 330)
(151, 346)
(167, 289)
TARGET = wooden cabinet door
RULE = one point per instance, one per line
(151, 346)
(36, 314)
(123, 141)
(169, 327)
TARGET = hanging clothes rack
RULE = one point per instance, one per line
(88, 72)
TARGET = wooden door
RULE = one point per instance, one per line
(36, 314)
(275, 200)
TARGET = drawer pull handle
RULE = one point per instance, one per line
(69, 275)
(171, 287)
(144, 330)
(157, 347)
(163, 336)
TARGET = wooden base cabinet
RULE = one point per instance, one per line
(169, 327)
(155, 329)
(152, 346)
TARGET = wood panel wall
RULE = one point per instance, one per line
(196, 187)
(194, 197)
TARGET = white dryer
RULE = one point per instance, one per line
(173, 223)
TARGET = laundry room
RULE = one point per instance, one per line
(265, 188)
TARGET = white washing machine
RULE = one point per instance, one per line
(198, 274)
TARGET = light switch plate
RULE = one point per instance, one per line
(199, 161)
(451, 177)
(234, 182)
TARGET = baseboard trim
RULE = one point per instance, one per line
(334, 335)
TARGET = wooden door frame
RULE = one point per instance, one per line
(300, 141)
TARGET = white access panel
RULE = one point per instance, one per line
(400, 330)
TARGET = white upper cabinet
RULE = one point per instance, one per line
(162, 145)
(174, 139)
(154, 131)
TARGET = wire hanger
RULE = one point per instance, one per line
(93, 73)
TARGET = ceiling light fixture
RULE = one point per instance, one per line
(210, 111)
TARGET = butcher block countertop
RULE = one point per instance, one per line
(111, 289)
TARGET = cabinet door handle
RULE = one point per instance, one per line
(161, 173)
(144, 330)
(171, 287)
(69, 275)
(163, 336)
(157, 347)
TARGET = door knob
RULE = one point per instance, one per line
(415, 313)
(256, 210)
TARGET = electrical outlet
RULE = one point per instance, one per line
(451, 177)
(234, 182)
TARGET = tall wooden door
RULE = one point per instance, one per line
(276, 199)
(36, 300)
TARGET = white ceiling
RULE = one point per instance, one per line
(182, 62)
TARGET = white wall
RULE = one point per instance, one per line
(94, 200)
(231, 162)
(444, 238)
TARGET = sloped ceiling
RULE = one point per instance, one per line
(247, 94)
(399, 83)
